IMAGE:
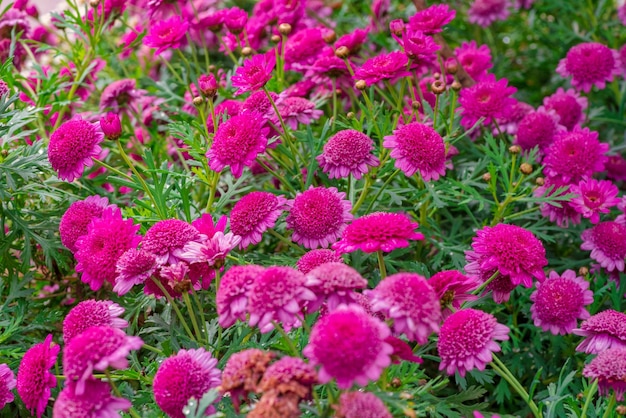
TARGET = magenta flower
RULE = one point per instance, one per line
(353, 40)
(418, 46)
(72, 146)
(7, 384)
(77, 218)
(489, 99)
(575, 154)
(111, 126)
(258, 102)
(616, 167)
(453, 289)
(253, 214)
(510, 122)
(432, 19)
(295, 110)
(467, 340)
(378, 231)
(609, 368)
(474, 59)
(232, 294)
(303, 48)
(560, 301)
(350, 347)
(485, 12)
(164, 34)
(594, 197)
(254, 73)
(132, 268)
(315, 258)
(589, 64)
(361, 405)
(34, 379)
(91, 313)
(607, 243)
(120, 94)
(235, 20)
(418, 147)
(537, 129)
(95, 402)
(569, 105)
(318, 216)
(604, 330)
(188, 374)
(335, 284)
(166, 239)
(208, 85)
(383, 67)
(348, 152)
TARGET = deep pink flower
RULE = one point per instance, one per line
(378, 231)
(418, 147)
(348, 152)
(111, 126)
(565, 212)
(616, 167)
(467, 340)
(315, 258)
(335, 284)
(432, 19)
(188, 374)
(235, 20)
(569, 105)
(350, 347)
(609, 368)
(211, 251)
(560, 301)
(510, 122)
(253, 214)
(237, 143)
(453, 289)
(7, 384)
(165, 34)
(607, 243)
(34, 379)
(120, 94)
(537, 129)
(132, 268)
(418, 46)
(77, 218)
(361, 405)
(489, 99)
(485, 12)
(621, 13)
(402, 351)
(106, 240)
(232, 294)
(594, 197)
(166, 239)
(475, 60)
(254, 73)
(296, 110)
(72, 146)
(589, 64)
(95, 402)
(604, 330)
(243, 372)
(303, 47)
(382, 67)
(258, 102)
(353, 40)
(91, 313)
(208, 85)
(318, 216)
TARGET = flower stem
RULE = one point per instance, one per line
(171, 301)
(506, 374)
(591, 390)
(482, 287)
(192, 315)
(285, 240)
(290, 344)
(196, 299)
(214, 181)
(610, 407)
(153, 349)
(381, 264)
(117, 392)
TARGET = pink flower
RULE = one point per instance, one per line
(243, 372)
(111, 126)
(237, 143)
(77, 218)
(34, 379)
(296, 110)
(7, 384)
(212, 251)
(418, 46)
(489, 99)
(335, 284)
(537, 129)
(467, 340)
(361, 405)
(604, 330)
(289, 375)
(609, 368)
(607, 243)
(383, 67)
(560, 301)
(565, 212)
(594, 197)
(258, 102)
(353, 40)
(402, 351)
(569, 105)
(235, 20)
(510, 122)
(315, 258)
(254, 214)
(303, 47)
(106, 240)
(350, 347)
(348, 152)
(485, 12)
(232, 294)
(589, 64)
(208, 85)
(95, 402)
(254, 73)
(378, 231)
(72, 146)
(432, 19)
(164, 34)
(91, 313)
(475, 60)
(132, 268)
(318, 216)
(616, 167)
(120, 94)
(418, 147)
(453, 289)
(166, 239)
(188, 374)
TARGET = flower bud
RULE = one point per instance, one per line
(111, 126)
(515, 149)
(197, 101)
(329, 36)
(452, 67)
(487, 177)
(246, 51)
(438, 87)
(526, 168)
(342, 52)
(350, 115)
(236, 20)
(360, 85)
(208, 85)
(415, 105)
(540, 181)
(583, 271)
(275, 39)
(396, 27)
(94, 3)
(284, 29)
(456, 86)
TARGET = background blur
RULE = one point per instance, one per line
(44, 6)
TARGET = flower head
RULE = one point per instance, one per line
(594, 197)
(289, 375)
(569, 105)
(353, 40)
(111, 126)
(467, 340)
(378, 231)
(7, 384)
(95, 401)
(609, 367)
(382, 67)
(607, 243)
(212, 251)
(72, 146)
(120, 94)
(91, 313)
(347, 152)
(453, 289)
(77, 218)
(474, 59)
(432, 19)
(132, 268)
(164, 34)
(296, 110)
(361, 405)
(604, 330)
(315, 258)
(575, 154)
(232, 294)
(243, 372)
(485, 12)
(303, 47)
(254, 73)
(616, 167)
(418, 46)
(589, 64)
(537, 129)
(489, 99)
(335, 284)
(350, 347)
(34, 379)
(560, 301)
(166, 239)
(235, 20)
(253, 214)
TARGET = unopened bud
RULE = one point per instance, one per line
(198, 101)
(94, 3)
(438, 87)
(4, 153)
(208, 85)
(620, 409)
(275, 39)
(583, 271)
(526, 168)
(360, 85)
(396, 27)
(452, 67)
(212, 68)
(415, 105)
(396, 383)
(246, 51)
(540, 181)
(350, 115)
(329, 36)
(342, 52)
(284, 29)
(111, 126)
(456, 86)
(437, 76)
(515, 149)
(487, 177)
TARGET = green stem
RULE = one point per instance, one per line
(192, 315)
(285, 240)
(117, 393)
(290, 344)
(334, 86)
(214, 181)
(506, 374)
(482, 287)
(196, 300)
(380, 191)
(589, 396)
(153, 349)
(381, 264)
(610, 407)
(115, 170)
(171, 301)
(280, 178)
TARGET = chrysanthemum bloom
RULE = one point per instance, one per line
(7, 384)
(91, 313)
(418, 147)
(350, 347)
(335, 284)
(258, 102)
(77, 218)
(560, 301)
(188, 374)
(232, 294)
(318, 216)
(243, 372)
(467, 340)
(132, 268)
(207, 84)
(72, 146)
(353, 40)
(565, 212)
(569, 105)
(34, 379)
(166, 239)
(485, 12)
(410, 302)
(348, 152)
(432, 19)
(97, 348)
(235, 20)
(604, 330)
(489, 99)
(607, 243)
(512, 250)
(616, 167)
(589, 64)
(253, 214)
(254, 73)
(453, 289)
(111, 126)
(510, 122)
(237, 143)
(277, 295)
(4, 88)
(361, 405)
(402, 351)
(537, 129)
(621, 13)
(315, 258)
(303, 47)
(378, 231)
(106, 240)
(289, 375)
(95, 402)
(212, 251)
(474, 59)
(609, 367)
(419, 47)
(383, 67)
(295, 110)
(120, 94)
(164, 34)
(594, 197)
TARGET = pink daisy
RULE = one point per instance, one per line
(594, 197)
(77, 218)
(475, 60)
(235, 20)
(232, 294)
(453, 289)
(348, 152)
(383, 67)
(432, 19)
(510, 122)
(467, 340)
(378, 231)
(418, 147)
(604, 330)
(315, 258)
(71, 404)
(350, 347)
(418, 46)
(34, 379)
(212, 251)
(360, 405)
(569, 105)
(243, 372)
(253, 214)
(489, 99)
(318, 216)
(607, 243)
(166, 239)
(91, 313)
(402, 351)
(609, 368)
(120, 94)
(207, 84)
(72, 146)
(560, 301)
(295, 110)
(258, 102)
(485, 12)
(289, 375)
(254, 73)
(335, 284)
(7, 384)
(237, 143)
(589, 64)
(565, 212)
(106, 240)
(353, 40)
(132, 268)
(537, 129)
(165, 34)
